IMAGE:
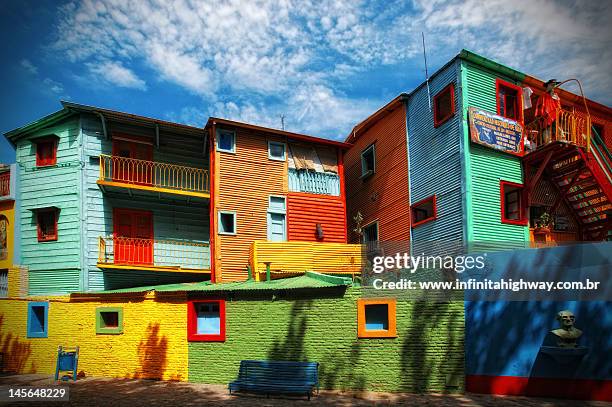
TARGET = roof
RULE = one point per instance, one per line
(376, 116)
(308, 280)
(295, 136)
(70, 108)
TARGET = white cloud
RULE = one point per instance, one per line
(256, 60)
(53, 86)
(29, 66)
(116, 74)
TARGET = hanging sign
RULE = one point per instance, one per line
(497, 132)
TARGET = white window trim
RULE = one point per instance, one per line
(365, 174)
(233, 134)
(270, 142)
(219, 213)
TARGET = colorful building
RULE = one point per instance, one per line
(9, 231)
(483, 162)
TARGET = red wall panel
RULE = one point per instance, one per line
(304, 211)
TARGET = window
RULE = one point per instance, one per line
(276, 151)
(3, 283)
(424, 211)
(109, 320)
(512, 206)
(46, 220)
(376, 318)
(37, 319)
(277, 227)
(4, 237)
(227, 223)
(444, 105)
(46, 151)
(226, 141)
(368, 161)
(509, 100)
(370, 233)
(206, 320)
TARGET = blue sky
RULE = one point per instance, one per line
(324, 65)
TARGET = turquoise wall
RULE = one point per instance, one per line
(435, 162)
(54, 267)
(485, 167)
(173, 217)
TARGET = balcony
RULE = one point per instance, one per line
(285, 258)
(153, 176)
(568, 127)
(314, 182)
(153, 254)
(5, 183)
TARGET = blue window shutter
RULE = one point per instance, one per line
(38, 314)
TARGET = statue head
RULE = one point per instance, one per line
(566, 319)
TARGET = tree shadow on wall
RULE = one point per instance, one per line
(421, 364)
(152, 354)
(15, 352)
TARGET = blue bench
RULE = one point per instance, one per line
(273, 377)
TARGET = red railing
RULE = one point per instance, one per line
(5, 183)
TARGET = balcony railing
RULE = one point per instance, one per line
(153, 254)
(5, 183)
(154, 176)
(314, 182)
(299, 257)
(570, 127)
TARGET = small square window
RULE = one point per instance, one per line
(508, 100)
(206, 320)
(46, 221)
(226, 141)
(38, 313)
(424, 211)
(46, 151)
(368, 161)
(376, 318)
(109, 320)
(512, 205)
(444, 105)
(227, 223)
(276, 151)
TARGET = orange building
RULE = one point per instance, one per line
(272, 186)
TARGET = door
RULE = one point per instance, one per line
(133, 163)
(276, 227)
(133, 236)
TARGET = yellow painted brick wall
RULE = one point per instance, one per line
(153, 344)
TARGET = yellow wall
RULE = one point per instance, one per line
(153, 344)
(7, 208)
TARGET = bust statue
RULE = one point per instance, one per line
(567, 334)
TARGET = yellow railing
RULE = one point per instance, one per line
(171, 254)
(571, 127)
(299, 257)
(152, 175)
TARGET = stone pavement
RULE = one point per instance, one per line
(93, 391)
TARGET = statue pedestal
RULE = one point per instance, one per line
(565, 356)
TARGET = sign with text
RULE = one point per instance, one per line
(497, 132)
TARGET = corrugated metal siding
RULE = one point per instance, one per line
(488, 167)
(246, 179)
(304, 211)
(384, 195)
(172, 218)
(435, 162)
(53, 266)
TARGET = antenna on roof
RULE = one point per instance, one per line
(426, 73)
(282, 117)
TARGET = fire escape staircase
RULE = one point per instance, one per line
(583, 177)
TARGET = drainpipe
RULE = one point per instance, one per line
(267, 271)
(103, 121)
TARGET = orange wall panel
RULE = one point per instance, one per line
(304, 211)
(384, 195)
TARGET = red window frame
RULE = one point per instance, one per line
(40, 214)
(43, 160)
(522, 220)
(414, 206)
(499, 84)
(192, 322)
(438, 121)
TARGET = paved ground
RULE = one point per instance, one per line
(146, 393)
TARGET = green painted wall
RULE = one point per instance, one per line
(427, 355)
(486, 167)
(54, 267)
